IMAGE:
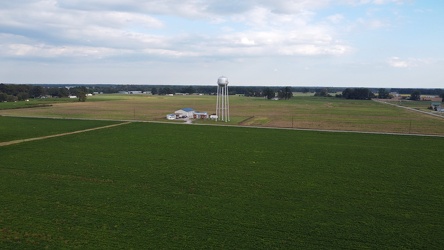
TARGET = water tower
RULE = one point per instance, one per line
(222, 102)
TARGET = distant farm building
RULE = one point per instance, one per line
(200, 115)
(135, 92)
(187, 113)
(436, 106)
(431, 98)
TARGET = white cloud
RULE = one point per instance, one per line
(293, 6)
(273, 28)
(276, 33)
(370, 23)
(336, 18)
(45, 51)
(375, 2)
(397, 62)
(246, 41)
(311, 49)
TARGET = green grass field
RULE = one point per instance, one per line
(147, 185)
(13, 128)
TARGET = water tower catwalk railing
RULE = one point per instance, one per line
(222, 101)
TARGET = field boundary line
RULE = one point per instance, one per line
(246, 126)
(321, 130)
(408, 108)
(62, 134)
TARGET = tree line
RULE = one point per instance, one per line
(366, 94)
(19, 92)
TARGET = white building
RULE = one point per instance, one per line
(185, 113)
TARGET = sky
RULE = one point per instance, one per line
(342, 43)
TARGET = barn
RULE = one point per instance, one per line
(185, 113)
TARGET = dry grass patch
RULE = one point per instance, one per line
(298, 112)
(256, 121)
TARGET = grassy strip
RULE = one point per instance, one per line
(34, 103)
(47, 102)
(28, 106)
(176, 186)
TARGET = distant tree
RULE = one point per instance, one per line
(189, 90)
(63, 92)
(57, 92)
(249, 92)
(415, 96)
(287, 93)
(347, 93)
(22, 96)
(442, 96)
(3, 97)
(438, 92)
(166, 91)
(11, 98)
(383, 94)
(154, 91)
(82, 96)
(169, 90)
(36, 91)
(268, 93)
(357, 93)
(8, 89)
(364, 94)
(80, 92)
(322, 92)
(19, 88)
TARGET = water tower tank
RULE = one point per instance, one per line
(222, 81)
